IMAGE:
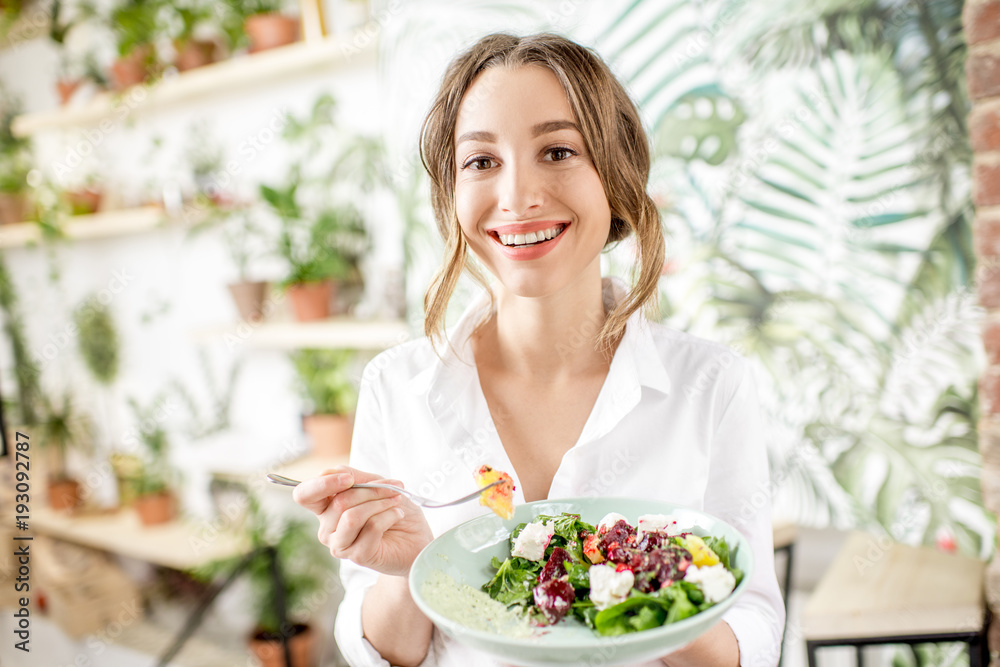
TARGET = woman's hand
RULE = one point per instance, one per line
(374, 528)
(717, 647)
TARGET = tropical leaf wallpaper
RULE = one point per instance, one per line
(811, 164)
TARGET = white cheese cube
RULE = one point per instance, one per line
(715, 581)
(530, 543)
(608, 587)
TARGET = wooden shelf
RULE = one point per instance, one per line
(244, 71)
(88, 227)
(343, 333)
(180, 544)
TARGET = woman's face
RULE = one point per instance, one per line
(528, 197)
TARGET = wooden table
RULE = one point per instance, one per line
(180, 544)
(878, 591)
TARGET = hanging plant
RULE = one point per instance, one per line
(99, 342)
(26, 371)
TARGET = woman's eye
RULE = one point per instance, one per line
(478, 163)
(560, 153)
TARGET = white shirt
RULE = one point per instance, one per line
(677, 420)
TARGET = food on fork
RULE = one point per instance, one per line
(500, 498)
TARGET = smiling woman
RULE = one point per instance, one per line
(538, 161)
(593, 127)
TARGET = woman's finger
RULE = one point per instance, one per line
(352, 521)
(316, 493)
(366, 545)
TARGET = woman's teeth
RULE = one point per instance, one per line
(531, 237)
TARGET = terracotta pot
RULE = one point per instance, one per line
(311, 301)
(268, 31)
(249, 299)
(194, 53)
(330, 434)
(302, 646)
(155, 508)
(66, 88)
(84, 202)
(133, 69)
(64, 494)
(13, 208)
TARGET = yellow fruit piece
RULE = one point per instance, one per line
(500, 498)
(701, 555)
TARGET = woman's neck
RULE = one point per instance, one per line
(553, 337)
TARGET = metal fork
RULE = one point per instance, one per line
(418, 499)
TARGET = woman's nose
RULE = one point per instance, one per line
(521, 190)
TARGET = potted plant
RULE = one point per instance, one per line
(27, 375)
(76, 65)
(330, 393)
(15, 164)
(135, 24)
(206, 159)
(289, 549)
(239, 232)
(322, 250)
(60, 429)
(83, 196)
(261, 23)
(191, 46)
(154, 500)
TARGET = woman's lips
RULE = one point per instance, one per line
(533, 250)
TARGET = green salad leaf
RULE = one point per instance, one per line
(726, 556)
(514, 581)
(635, 613)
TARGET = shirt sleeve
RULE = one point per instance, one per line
(368, 453)
(739, 492)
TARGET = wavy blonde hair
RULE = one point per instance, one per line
(614, 138)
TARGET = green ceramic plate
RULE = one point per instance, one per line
(464, 553)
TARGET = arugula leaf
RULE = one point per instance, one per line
(514, 581)
(585, 611)
(693, 593)
(638, 612)
(680, 605)
(579, 576)
(726, 556)
(650, 616)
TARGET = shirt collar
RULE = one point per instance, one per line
(449, 381)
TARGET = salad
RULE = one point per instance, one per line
(613, 577)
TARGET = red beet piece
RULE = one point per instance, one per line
(554, 598)
(555, 567)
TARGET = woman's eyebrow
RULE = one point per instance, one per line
(477, 135)
(536, 131)
(553, 126)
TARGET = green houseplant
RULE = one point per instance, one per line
(135, 24)
(191, 48)
(240, 232)
(322, 250)
(98, 339)
(15, 163)
(289, 549)
(259, 25)
(152, 478)
(329, 391)
(60, 428)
